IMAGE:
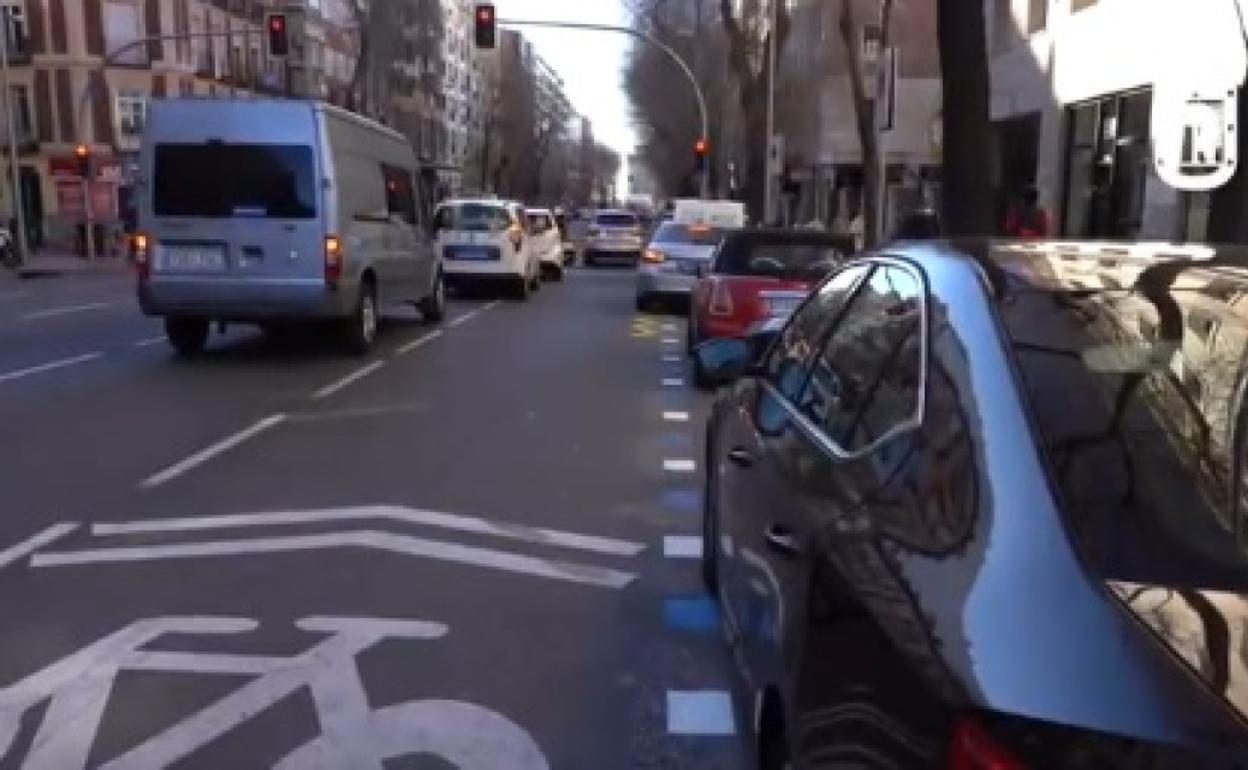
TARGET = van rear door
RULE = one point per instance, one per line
(237, 209)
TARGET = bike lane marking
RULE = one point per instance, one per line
(50, 366)
(402, 514)
(208, 453)
(35, 542)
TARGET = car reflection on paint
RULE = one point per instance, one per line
(979, 506)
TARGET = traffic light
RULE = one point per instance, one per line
(486, 25)
(700, 150)
(82, 161)
(279, 37)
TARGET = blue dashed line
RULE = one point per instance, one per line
(676, 441)
(681, 500)
(691, 613)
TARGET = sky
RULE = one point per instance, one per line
(590, 63)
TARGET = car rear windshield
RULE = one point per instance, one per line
(1133, 397)
(215, 179)
(473, 217)
(616, 220)
(782, 257)
(670, 232)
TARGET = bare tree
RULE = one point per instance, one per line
(864, 113)
(966, 188)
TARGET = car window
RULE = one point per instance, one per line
(789, 360)
(670, 232)
(866, 379)
(616, 220)
(400, 193)
(264, 181)
(782, 257)
(472, 217)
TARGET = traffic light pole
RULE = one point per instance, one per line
(705, 181)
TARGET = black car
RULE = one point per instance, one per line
(982, 506)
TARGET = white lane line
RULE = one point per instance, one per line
(35, 542)
(673, 382)
(67, 310)
(699, 712)
(204, 455)
(682, 546)
(147, 343)
(671, 358)
(670, 341)
(679, 465)
(423, 339)
(669, 327)
(676, 417)
(50, 366)
(397, 513)
(338, 385)
(465, 318)
(492, 304)
(370, 539)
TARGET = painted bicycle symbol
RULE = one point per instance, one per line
(352, 734)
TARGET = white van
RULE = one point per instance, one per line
(486, 240)
(266, 211)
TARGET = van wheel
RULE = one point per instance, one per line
(361, 325)
(188, 336)
(433, 307)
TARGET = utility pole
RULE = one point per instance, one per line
(19, 212)
(771, 111)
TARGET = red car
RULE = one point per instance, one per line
(759, 274)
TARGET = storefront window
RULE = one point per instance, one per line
(1107, 167)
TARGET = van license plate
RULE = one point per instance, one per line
(193, 259)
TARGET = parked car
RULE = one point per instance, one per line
(487, 241)
(546, 241)
(567, 240)
(258, 211)
(672, 260)
(756, 274)
(613, 236)
(985, 507)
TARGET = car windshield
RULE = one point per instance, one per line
(784, 257)
(234, 180)
(671, 233)
(616, 220)
(472, 217)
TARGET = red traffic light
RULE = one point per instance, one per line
(279, 40)
(485, 14)
(485, 25)
(82, 160)
(701, 147)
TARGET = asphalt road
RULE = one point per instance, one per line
(472, 548)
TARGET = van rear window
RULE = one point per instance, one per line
(275, 181)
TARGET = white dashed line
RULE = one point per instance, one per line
(492, 304)
(700, 712)
(679, 465)
(671, 341)
(147, 343)
(682, 546)
(338, 385)
(676, 416)
(465, 318)
(60, 311)
(204, 455)
(672, 382)
(671, 358)
(50, 366)
(408, 347)
(669, 327)
(35, 542)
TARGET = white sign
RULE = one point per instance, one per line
(353, 734)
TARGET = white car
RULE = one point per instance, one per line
(483, 241)
(613, 236)
(545, 239)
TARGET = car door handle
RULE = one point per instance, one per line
(741, 457)
(782, 540)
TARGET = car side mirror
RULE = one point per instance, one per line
(723, 361)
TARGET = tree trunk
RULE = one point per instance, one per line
(1228, 209)
(966, 187)
(864, 117)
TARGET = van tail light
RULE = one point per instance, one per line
(653, 256)
(973, 748)
(333, 260)
(721, 299)
(140, 250)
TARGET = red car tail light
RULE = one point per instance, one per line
(140, 246)
(333, 259)
(721, 299)
(973, 748)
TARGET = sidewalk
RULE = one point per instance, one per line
(51, 263)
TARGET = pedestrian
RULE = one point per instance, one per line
(1027, 218)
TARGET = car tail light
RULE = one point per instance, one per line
(653, 256)
(333, 259)
(721, 299)
(140, 249)
(973, 748)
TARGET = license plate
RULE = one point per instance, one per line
(193, 259)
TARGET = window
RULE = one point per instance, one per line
(866, 381)
(790, 359)
(265, 181)
(16, 29)
(131, 114)
(25, 127)
(123, 24)
(400, 195)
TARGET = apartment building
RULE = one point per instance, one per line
(1071, 100)
(81, 72)
(822, 175)
(465, 88)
